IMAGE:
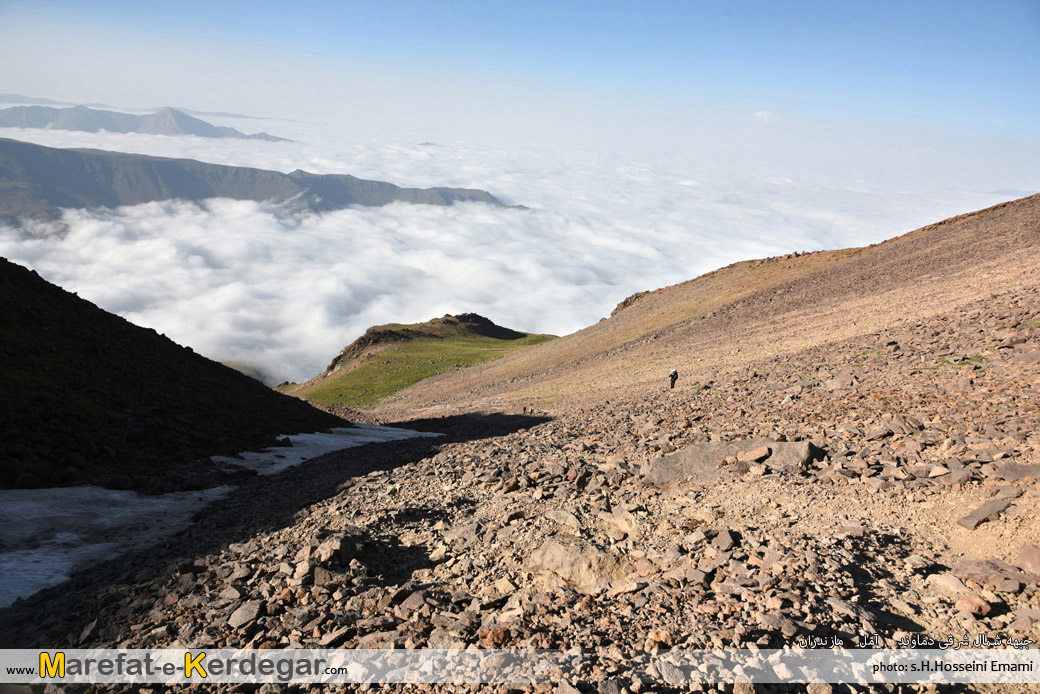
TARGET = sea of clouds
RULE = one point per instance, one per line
(283, 292)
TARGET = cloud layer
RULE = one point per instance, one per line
(253, 284)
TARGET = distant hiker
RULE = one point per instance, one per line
(674, 376)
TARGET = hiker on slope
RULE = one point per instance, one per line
(674, 376)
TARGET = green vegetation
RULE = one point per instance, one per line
(977, 359)
(870, 353)
(400, 364)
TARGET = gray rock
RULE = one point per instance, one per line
(90, 632)
(879, 433)
(1024, 620)
(841, 381)
(947, 584)
(337, 636)
(1014, 472)
(850, 609)
(988, 511)
(247, 612)
(565, 687)
(339, 549)
(1026, 357)
(697, 462)
(670, 673)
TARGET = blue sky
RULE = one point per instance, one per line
(969, 66)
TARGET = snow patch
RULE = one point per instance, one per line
(46, 534)
(307, 446)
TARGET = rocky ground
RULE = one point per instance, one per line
(884, 485)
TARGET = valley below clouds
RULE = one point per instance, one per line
(282, 291)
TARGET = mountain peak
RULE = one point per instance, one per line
(447, 326)
(390, 357)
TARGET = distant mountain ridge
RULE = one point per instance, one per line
(36, 182)
(8, 98)
(165, 121)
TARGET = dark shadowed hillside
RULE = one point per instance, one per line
(87, 397)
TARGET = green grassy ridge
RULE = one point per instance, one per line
(404, 363)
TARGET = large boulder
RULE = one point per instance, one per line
(699, 462)
(578, 563)
(1015, 472)
(989, 572)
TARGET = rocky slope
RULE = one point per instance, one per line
(36, 182)
(751, 310)
(87, 397)
(563, 533)
(878, 479)
(165, 121)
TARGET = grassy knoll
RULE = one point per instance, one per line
(392, 365)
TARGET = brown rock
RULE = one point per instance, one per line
(974, 604)
(754, 456)
(725, 540)
(578, 563)
(1029, 559)
(989, 572)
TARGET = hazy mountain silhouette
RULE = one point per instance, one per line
(165, 121)
(6, 98)
(36, 182)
